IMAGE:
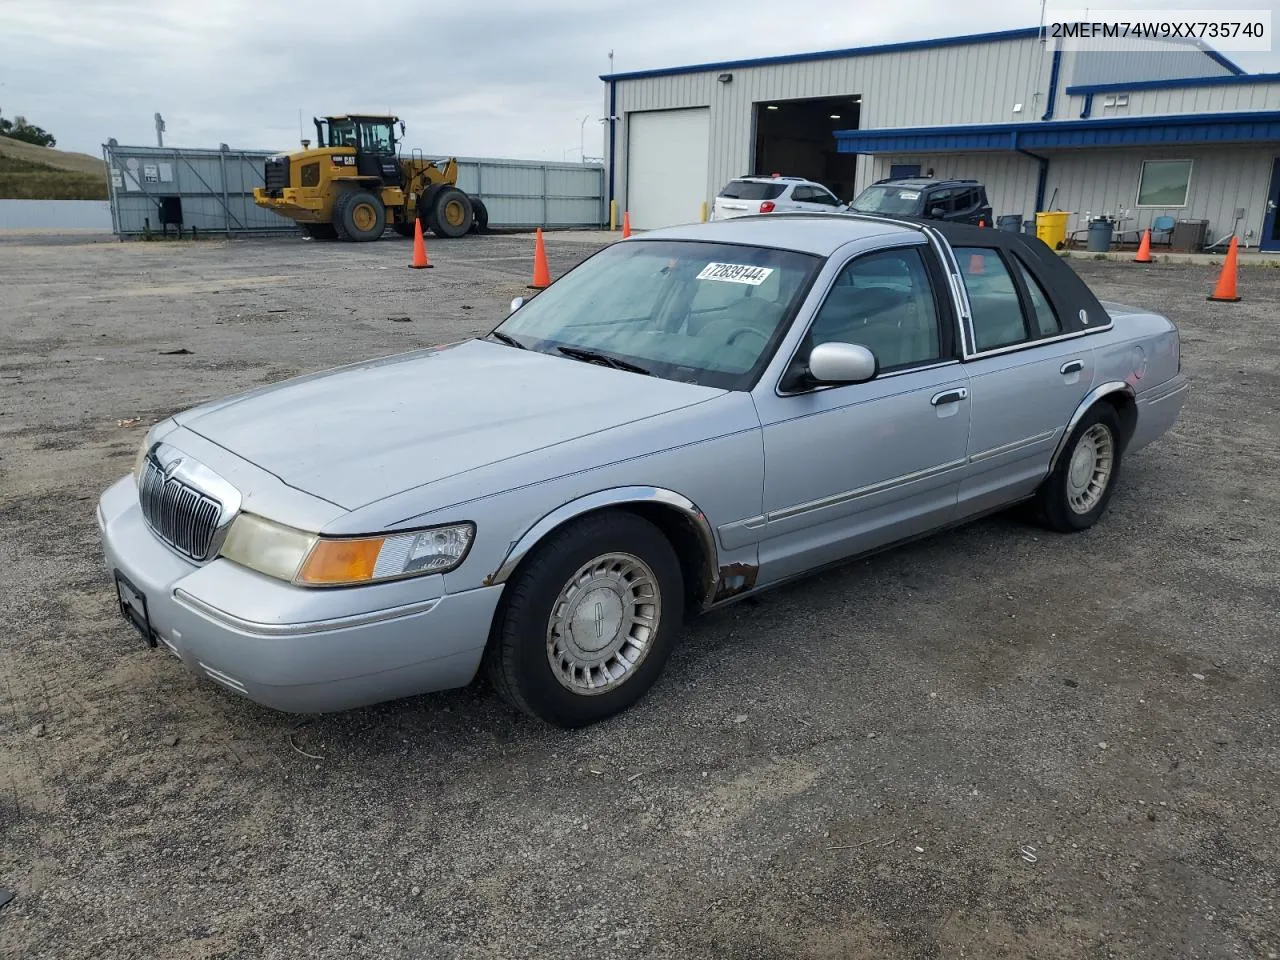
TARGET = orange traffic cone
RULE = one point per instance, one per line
(976, 264)
(419, 248)
(541, 273)
(981, 223)
(1144, 248)
(1226, 288)
(626, 224)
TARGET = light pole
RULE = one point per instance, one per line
(582, 139)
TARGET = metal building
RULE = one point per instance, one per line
(1171, 131)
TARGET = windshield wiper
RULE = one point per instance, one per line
(593, 356)
(509, 340)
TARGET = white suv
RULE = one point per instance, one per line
(751, 195)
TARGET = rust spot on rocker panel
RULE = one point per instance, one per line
(736, 578)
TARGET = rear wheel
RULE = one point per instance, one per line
(320, 231)
(449, 213)
(480, 215)
(586, 628)
(359, 215)
(1076, 493)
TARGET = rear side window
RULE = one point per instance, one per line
(993, 297)
(1047, 322)
(746, 190)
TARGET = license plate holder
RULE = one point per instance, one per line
(133, 607)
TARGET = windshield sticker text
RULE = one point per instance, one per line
(735, 273)
(908, 194)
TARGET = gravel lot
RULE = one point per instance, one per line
(845, 768)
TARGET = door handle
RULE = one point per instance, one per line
(1071, 366)
(949, 396)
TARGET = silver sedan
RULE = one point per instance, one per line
(685, 419)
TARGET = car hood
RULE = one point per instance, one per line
(365, 432)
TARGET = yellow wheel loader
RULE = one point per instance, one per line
(354, 184)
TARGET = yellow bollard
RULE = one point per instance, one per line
(613, 214)
(704, 212)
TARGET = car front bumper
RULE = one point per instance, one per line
(289, 648)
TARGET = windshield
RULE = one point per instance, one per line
(746, 190)
(342, 133)
(888, 199)
(705, 313)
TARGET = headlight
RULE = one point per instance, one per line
(313, 561)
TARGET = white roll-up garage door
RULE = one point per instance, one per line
(667, 166)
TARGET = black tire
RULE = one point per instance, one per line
(359, 215)
(449, 213)
(1053, 501)
(518, 660)
(320, 231)
(480, 215)
(404, 229)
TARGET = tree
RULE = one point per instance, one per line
(19, 129)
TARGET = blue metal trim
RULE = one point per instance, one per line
(1218, 58)
(1132, 85)
(1053, 83)
(1097, 132)
(995, 37)
(613, 140)
(1088, 106)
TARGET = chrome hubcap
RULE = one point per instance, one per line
(603, 623)
(1090, 469)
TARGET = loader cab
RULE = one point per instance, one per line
(374, 141)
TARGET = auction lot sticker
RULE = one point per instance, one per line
(735, 273)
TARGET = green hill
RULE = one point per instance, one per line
(28, 172)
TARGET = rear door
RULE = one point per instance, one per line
(1026, 381)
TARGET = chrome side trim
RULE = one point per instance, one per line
(616, 497)
(1030, 344)
(959, 293)
(1160, 393)
(801, 508)
(199, 606)
(1090, 398)
(1011, 447)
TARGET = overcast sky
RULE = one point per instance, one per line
(505, 78)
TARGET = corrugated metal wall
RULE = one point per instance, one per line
(1010, 178)
(216, 188)
(1149, 60)
(55, 215)
(527, 193)
(1224, 98)
(1222, 179)
(977, 83)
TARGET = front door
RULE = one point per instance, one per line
(854, 467)
(1271, 220)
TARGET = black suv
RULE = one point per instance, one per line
(957, 201)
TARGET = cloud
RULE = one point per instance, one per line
(509, 78)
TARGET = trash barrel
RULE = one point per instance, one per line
(1051, 227)
(1011, 223)
(1099, 236)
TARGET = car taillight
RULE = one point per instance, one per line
(766, 206)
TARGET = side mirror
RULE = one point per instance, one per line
(836, 362)
(516, 304)
(937, 213)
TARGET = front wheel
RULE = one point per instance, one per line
(1076, 493)
(586, 627)
(359, 215)
(449, 213)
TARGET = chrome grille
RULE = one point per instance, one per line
(178, 514)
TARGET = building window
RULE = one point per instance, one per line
(1164, 183)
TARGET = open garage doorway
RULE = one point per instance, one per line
(796, 138)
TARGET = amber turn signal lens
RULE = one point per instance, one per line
(334, 562)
